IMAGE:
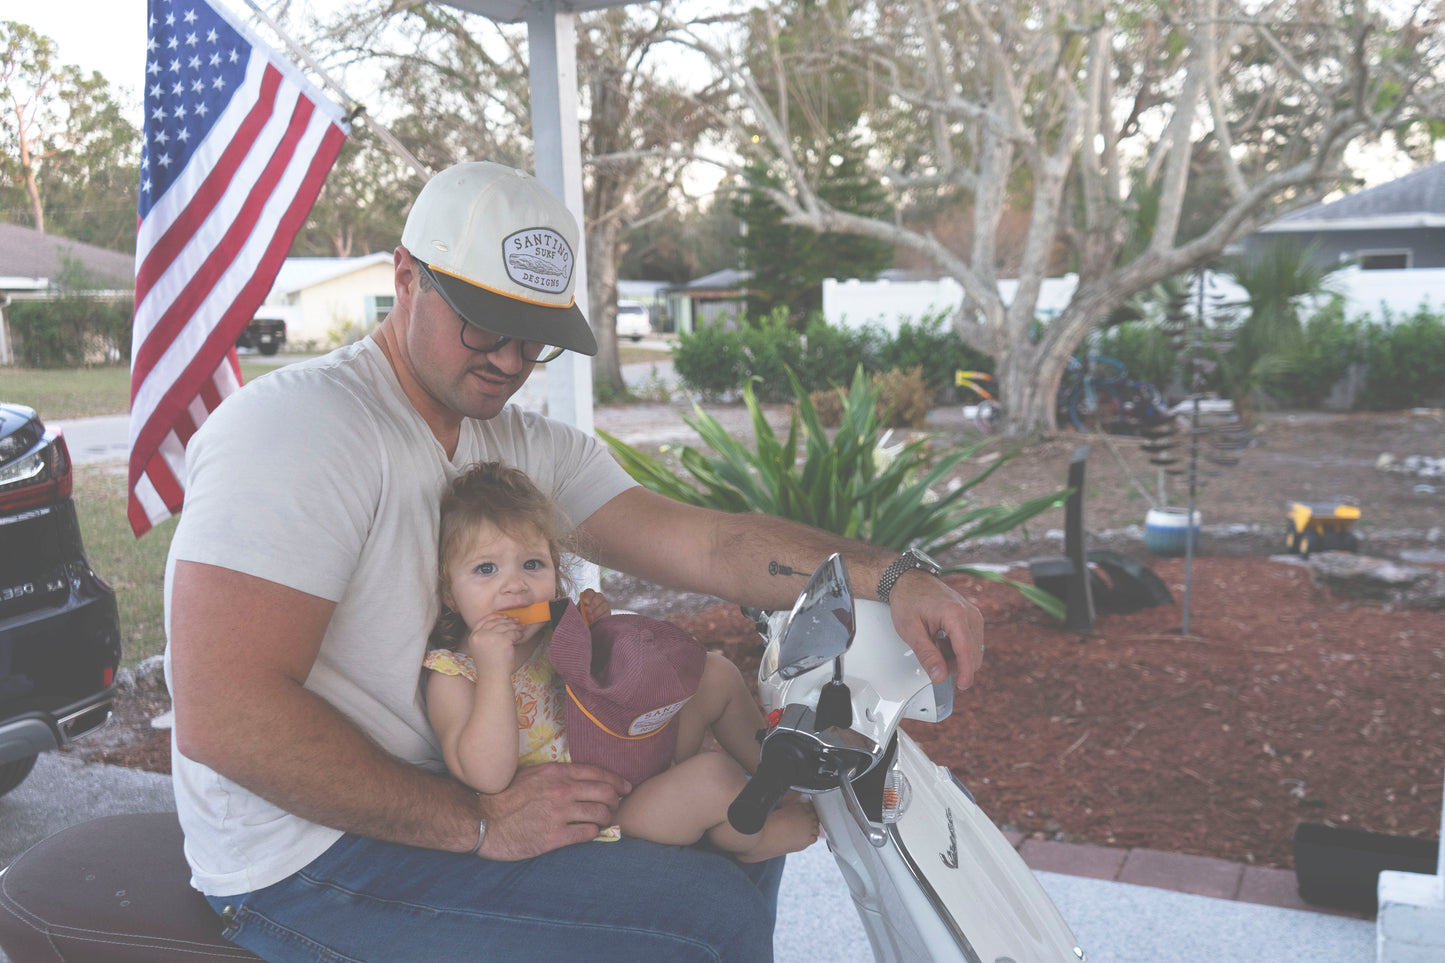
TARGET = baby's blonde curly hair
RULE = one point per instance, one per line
(491, 493)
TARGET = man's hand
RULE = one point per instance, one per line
(923, 607)
(548, 807)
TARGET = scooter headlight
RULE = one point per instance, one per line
(897, 794)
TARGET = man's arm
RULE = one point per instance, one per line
(241, 649)
(765, 561)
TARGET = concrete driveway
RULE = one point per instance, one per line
(64, 791)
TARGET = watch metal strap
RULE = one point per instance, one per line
(894, 572)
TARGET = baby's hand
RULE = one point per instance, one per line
(593, 605)
(495, 634)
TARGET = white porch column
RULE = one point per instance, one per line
(557, 148)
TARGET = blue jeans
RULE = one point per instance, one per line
(624, 901)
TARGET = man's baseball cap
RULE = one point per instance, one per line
(502, 248)
(627, 677)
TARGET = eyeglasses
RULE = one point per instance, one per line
(486, 342)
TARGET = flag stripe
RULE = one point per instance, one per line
(226, 309)
(237, 145)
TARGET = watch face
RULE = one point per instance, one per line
(924, 562)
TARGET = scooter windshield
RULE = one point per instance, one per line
(821, 625)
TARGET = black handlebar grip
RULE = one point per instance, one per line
(752, 806)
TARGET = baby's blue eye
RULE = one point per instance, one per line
(486, 568)
(532, 564)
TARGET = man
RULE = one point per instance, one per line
(302, 583)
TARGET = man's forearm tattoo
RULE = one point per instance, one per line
(778, 568)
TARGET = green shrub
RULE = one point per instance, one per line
(710, 362)
(831, 354)
(1406, 360)
(847, 485)
(715, 363)
(1330, 346)
(933, 346)
(75, 328)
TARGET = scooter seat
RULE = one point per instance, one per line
(111, 890)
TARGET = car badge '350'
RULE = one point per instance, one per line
(539, 258)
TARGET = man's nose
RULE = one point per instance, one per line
(508, 358)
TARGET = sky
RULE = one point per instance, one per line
(104, 35)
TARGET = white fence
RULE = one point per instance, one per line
(886, 304)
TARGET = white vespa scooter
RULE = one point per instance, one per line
(932, 878)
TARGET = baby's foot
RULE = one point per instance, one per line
(791, 827)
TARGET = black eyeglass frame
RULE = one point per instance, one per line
(543, 352)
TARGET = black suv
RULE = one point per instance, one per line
(59, 633)
(266, 335)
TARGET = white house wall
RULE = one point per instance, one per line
(329, 307)
(1402, 291)
(886, 304)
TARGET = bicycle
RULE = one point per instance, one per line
(1098, 393)
(988, 413)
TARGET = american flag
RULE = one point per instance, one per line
(237, 145)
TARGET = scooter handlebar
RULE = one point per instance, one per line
(776, 769)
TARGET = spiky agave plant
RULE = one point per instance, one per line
(848, 482)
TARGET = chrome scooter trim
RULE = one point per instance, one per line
(934, 900)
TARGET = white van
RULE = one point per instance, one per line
(633, 321)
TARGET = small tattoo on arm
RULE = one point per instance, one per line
(777, 568)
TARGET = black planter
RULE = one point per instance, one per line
(1340, 868)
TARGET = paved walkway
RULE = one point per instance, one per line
(1124, 906)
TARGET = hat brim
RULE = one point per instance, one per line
(523, 320)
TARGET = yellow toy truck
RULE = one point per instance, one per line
(1321, 527)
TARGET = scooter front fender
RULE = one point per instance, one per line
(946, 885)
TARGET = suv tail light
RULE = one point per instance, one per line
(38, 477)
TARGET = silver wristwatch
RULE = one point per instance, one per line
(912, 558)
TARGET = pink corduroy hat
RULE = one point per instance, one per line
(626, 679)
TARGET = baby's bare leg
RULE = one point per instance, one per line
(691, 800)
(682, 804)
(724, 706)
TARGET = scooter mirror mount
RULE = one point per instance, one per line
(821, 626)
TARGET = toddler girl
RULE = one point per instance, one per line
(497, 703)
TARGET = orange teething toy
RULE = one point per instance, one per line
(531, 614)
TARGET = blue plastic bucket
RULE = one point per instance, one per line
(1165, 530)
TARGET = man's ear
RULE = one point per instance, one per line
(403, 272)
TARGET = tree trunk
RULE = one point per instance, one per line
(32, 189)
(1028, 396)
(602, 258)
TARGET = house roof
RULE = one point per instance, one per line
(27, 254)
(298, 273)
(728, 279)
(1415, 200)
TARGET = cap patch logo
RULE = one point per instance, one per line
(650, 722)
(538, 258)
